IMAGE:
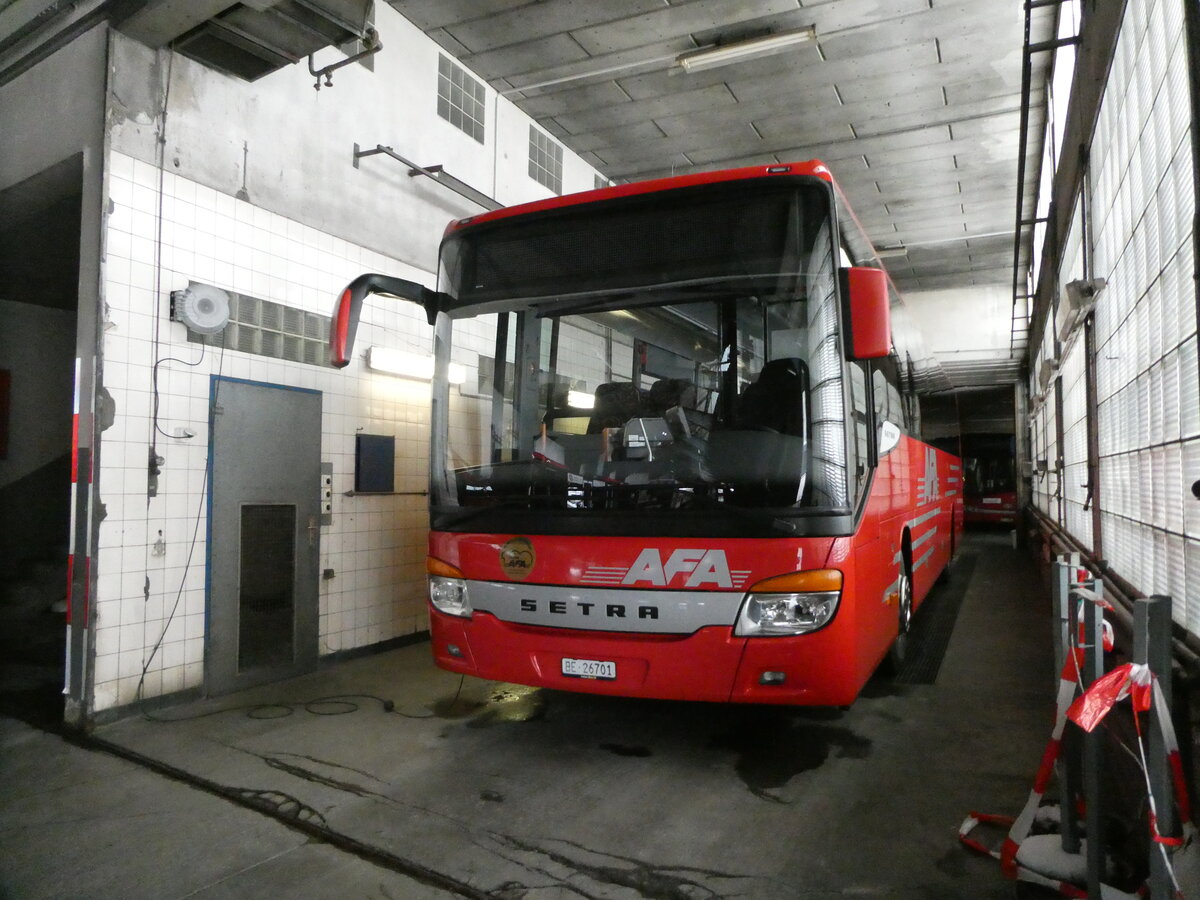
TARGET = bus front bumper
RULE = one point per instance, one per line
(710, 665)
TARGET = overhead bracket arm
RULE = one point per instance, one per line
(437, 173)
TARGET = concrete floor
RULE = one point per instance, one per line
(384, 777)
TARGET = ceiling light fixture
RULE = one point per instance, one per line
(891, 252)
(739, 51)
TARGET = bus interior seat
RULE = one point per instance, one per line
(616, 403)
(668, 392)
(764, 452)
(776, 399)
(674, 399)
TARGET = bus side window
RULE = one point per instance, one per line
(887, 401)
(861, 415)
(879, 388)
(896, 408)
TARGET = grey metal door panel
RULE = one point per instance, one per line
(264, 509)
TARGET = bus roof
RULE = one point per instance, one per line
(923, 369)
(810, 167)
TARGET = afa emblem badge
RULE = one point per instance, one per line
(517, 558)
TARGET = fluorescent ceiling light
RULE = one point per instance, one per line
(581, 400)
(409, 365)
(891, 252)
(726, 54)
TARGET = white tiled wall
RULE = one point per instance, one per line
(148, 597)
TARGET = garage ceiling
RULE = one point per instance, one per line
(914, 104)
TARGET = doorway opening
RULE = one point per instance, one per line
(40, 226)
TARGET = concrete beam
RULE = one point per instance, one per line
(161, 21)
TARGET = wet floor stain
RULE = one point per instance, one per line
(625, 750)
(455, 707)
(510, 704)
(596, 872)
(774, 749)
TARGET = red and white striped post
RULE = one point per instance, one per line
(1152, 647)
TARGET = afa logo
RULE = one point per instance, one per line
(927, 485)
(517, 558)
(697, 566)
(682, 568)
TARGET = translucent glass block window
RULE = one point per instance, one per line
(271, 329)
(545, 160)
(460, 99)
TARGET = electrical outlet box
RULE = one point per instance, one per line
(326, 493)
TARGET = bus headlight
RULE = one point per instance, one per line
(449, 596)
(448, 589)
(790, 604)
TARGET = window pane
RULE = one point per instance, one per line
(266, 598)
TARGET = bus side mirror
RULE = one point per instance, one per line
(868, 308)
(345, 318)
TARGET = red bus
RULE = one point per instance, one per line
(681, 465)
(989, 479)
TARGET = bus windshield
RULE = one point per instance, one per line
(655, 358)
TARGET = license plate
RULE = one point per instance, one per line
(992, 501)
(589, 668)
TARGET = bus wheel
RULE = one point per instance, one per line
(899, 649)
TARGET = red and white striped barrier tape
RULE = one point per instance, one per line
(1140, 685)
(1131, 680)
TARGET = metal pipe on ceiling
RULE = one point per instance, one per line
(1022, 140)
(1027, 51)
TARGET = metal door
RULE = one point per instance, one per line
(264, 508)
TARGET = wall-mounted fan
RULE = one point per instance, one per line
(203, 308)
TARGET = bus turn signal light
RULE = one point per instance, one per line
(434, 566)
(800, 582)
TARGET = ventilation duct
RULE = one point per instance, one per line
(251, 39)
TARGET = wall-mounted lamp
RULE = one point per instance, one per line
(409, 365)
(739, 51)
